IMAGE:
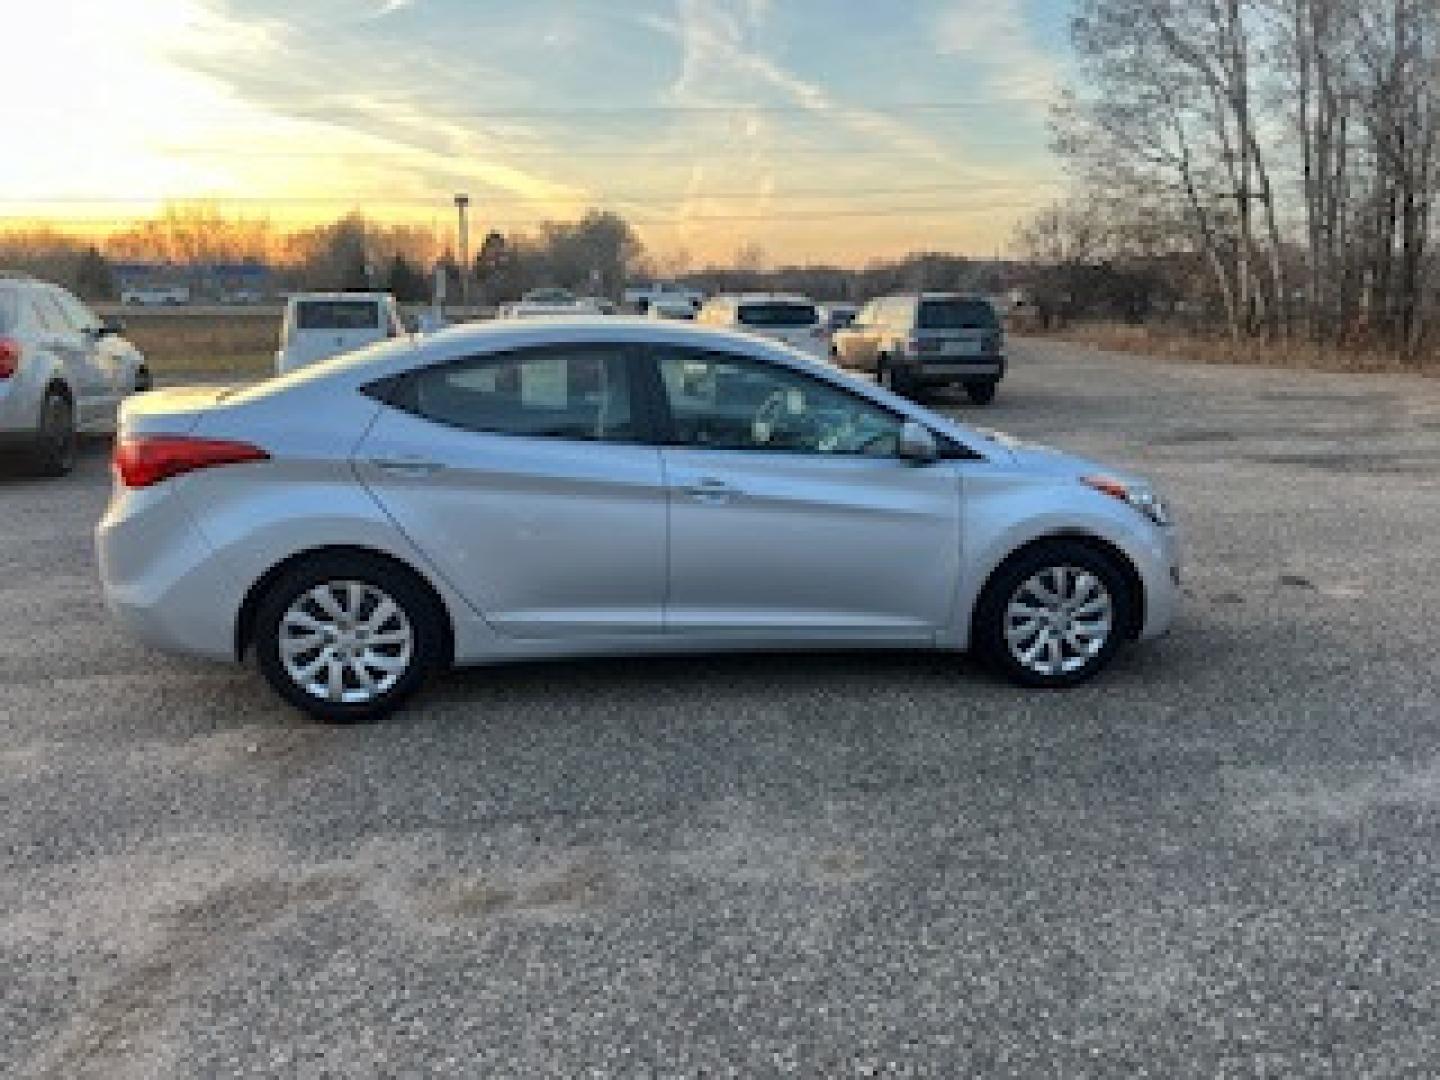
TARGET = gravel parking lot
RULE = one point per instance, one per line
(1219, 859)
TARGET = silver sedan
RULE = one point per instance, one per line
(602, 487)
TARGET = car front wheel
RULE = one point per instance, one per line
(1053, 616)
(347, 638)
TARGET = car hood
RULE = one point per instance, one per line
(1048, 461)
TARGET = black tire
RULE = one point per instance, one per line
(56, 441)
(981, 393)
(424, 614)
(888, 377)
(988, 629)
(144, 381)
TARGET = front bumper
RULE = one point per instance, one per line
(1160, 574)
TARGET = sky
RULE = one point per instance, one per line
(834, 130)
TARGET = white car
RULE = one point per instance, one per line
(317, 326)
(63, 371)
(783, 317)
(605, 486)
(671, 307)
(546, 303)
(641, 297)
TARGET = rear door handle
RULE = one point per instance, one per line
(711, 491)
(407, 467)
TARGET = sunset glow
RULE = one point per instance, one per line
(815, 129)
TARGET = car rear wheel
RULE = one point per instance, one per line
(981, 393)
(1053, 616)
(144, 381)
(56, 440)
(347, 638)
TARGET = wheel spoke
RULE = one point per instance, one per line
(1055, 658)
(298, 617)
(384, 611)
(326, 600)
(392, 637)
(355, 596)
(362, 674)
(392, 665)
(335, 679)
(1085, 587)
(305, 674)
(297, 645)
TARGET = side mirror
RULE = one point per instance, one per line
(917, 444)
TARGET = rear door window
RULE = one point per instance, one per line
(337, 315)
(957, 315)
(581, 392)
(777, 315)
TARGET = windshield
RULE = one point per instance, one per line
(777, 314)
(337, 315)
(957, 315)
(9, 310)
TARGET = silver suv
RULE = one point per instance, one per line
(63, 371)
(926, 339)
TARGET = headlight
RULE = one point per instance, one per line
(1138, 494)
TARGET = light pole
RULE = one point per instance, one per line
(462, 208)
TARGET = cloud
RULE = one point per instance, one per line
(389, 7)
(993, 39)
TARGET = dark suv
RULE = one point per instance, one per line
(917, 340)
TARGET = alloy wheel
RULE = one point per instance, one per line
(346, 642)
(1058, 620)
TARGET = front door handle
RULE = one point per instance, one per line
(710, 491)
(410, 468)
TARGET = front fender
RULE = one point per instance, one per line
(1003, 512)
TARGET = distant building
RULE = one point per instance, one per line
(224, 283)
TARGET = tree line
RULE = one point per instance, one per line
(595, 254)
(1270, 166)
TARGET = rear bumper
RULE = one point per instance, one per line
(941, 371)
(161, 579)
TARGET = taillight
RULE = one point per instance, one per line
(143, 460)
(9, 357)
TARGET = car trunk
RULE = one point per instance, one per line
(169, 412)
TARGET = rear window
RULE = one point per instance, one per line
(337, 315)
(777, 315)
(9, 310)
(956, 315)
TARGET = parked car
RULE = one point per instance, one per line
(156, 296)
(317, 326)
(641, 297)
(601, 305)
(63, 371)
(783, 317)
(546, 303)
(671, 307)
(919, 340)
(607, 486)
